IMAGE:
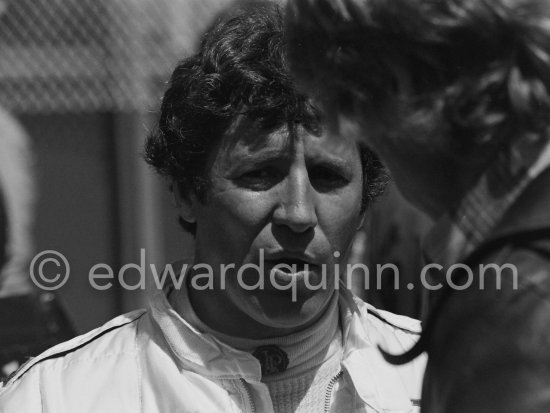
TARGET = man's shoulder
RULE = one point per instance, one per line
(393, 332)
(115, 338)
(388, 320)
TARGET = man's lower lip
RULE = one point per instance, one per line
(284, 278)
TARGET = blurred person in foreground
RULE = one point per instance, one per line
(16, 207)
(271, 197)
(30, 320)
(454, 96)
(16, 213)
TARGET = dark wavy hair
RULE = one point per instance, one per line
(238, 76)
(482, 66)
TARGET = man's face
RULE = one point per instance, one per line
(295, 200)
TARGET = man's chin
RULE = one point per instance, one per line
(278, 310)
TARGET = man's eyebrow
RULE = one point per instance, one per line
(340, 165)
(263, 156)
(332, 161)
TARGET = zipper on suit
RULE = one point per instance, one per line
(249, 395)
(330, 387)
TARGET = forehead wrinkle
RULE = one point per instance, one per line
(233, 156)
(252, 134)
(256, 143)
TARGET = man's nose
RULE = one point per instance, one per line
(296, 207)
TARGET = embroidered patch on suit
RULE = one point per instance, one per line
(272, 359)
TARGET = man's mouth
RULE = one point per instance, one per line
(291, 265)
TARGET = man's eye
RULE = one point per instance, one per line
(263, 173)
(261, 178)
(326, 178)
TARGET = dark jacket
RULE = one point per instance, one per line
(489, 348)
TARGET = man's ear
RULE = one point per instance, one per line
(186, 204)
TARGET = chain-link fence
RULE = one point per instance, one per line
(93, 55)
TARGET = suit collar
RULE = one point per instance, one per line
(377, 383)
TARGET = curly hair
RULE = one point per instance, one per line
(238, 76)
(483, 66)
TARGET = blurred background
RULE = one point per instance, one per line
(80, 84)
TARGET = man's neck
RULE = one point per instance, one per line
(217, 311)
